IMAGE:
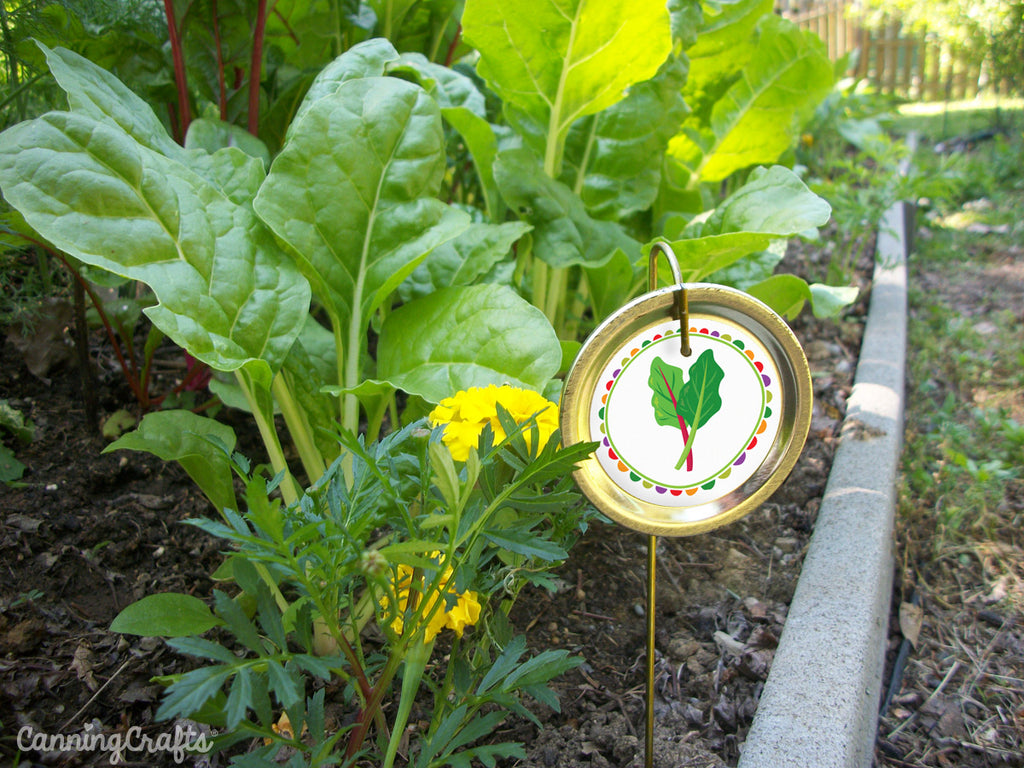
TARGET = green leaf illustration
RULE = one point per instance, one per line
(701, 400)
(667, 382)
(686, 404)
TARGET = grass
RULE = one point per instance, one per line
(960, 538)
(940, 121)
(964, 451)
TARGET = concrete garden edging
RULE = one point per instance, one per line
(819, 707)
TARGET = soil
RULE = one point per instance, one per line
(88, 533)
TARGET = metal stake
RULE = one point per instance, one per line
(682, 314)
(652, 546)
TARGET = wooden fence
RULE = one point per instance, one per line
(893, 60)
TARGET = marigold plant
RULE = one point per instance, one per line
(350, 588)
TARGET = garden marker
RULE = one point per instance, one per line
(699, 396)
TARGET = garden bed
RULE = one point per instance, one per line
(89, 533)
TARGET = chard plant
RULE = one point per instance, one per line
(591, 140)
(234, 253)
(602, 151)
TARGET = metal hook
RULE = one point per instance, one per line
(681, 304)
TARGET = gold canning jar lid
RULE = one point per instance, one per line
(687, 442)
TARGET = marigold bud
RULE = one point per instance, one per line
(373, 563)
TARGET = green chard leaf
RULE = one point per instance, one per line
(352, 193)
(774, 203)
(96, 93)
(463, 337)
(482, 142)
(464, 260)
(555, 62)
(787, 295)
(687, 16)
(723, 46)
(367, 59)
(209, 136)
(201, 445)
(564, 233)
(450, 88)
(613, 283)
(760, 115)
(226, 291)
(686, 404)
(701, 400)
(464, 109)
(613, 159)
(666, 383)
(93, 92)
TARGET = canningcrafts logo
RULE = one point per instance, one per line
(183, 741)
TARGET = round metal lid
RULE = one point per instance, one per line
(687, 443)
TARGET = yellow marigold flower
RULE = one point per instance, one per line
(283, 727)
(465, 414)
(460, 436)
(465, 611)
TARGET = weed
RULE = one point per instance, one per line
(24, 598)
(13, 422)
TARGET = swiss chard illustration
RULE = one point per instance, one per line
(686, 404)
